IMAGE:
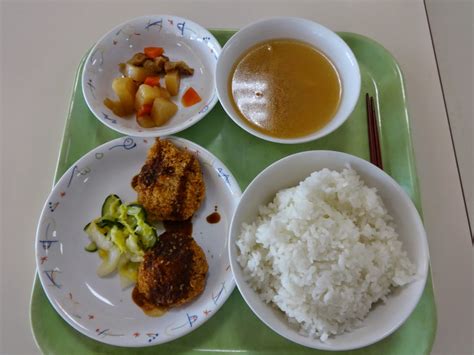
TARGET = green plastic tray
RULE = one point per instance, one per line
(235, 328)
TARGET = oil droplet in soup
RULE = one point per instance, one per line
(285, 88)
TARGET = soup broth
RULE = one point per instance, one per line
(285, 88)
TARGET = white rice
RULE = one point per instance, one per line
(323, 252)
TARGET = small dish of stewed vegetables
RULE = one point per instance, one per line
(152, 76)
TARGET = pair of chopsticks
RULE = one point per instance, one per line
(374, 141)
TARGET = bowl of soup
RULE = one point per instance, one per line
(287, 80)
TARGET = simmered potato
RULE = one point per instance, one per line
(145, 121)
(172, 81)
(164, 93)
(145, 95)
(115, 107)
(162, 110)
(125, 89)
(138, 74)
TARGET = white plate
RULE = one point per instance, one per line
(181, 39)
(98, 307)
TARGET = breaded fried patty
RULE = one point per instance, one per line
(170, 185)
(172, 273)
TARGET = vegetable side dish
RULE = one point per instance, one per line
(139, 90)
(121, 236)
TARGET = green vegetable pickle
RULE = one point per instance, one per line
(122, 234)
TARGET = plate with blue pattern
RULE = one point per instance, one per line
(99, 307)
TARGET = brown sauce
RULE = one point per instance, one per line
(138, 298)
(185, 227)
(141, 301)
(213, 218)
(285, 88)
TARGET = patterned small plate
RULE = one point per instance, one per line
(98, 307)
(181, 39)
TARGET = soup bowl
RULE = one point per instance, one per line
(309, 32)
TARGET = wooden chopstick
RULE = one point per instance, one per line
(373, 132)
(373, 155)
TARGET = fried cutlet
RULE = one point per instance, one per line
(170, 185)
(172, 273)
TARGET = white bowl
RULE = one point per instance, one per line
(385, 318)
(292, 28)
(181, 39)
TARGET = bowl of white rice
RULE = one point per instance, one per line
(328, 250)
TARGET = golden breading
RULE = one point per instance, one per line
(170, 185)
(173, 273)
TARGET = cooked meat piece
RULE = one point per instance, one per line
(155, 66)
(172, 273)
(170, 184)
(181, 66)
(160, 61)
(138, 59)
(151, 67)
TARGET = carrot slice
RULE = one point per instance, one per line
(144, 110)
(153, 52)
(152, 80)
(190, 97)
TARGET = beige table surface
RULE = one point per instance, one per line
(42, 44)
